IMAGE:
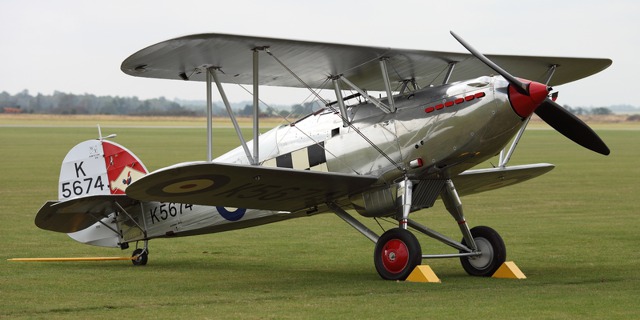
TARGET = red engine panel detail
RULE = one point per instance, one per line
(451, 103)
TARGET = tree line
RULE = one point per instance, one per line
(68, 103)
(579, 111)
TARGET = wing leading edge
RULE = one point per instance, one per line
(313, 62)
(252, 187)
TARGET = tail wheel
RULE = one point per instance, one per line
(396, 254)
(140, 257)
(493, 251)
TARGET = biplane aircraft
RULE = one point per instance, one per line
(437, 116)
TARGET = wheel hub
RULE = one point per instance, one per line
(484, 259)
(392, 256)
(395, 256)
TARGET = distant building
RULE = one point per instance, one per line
(12, 110)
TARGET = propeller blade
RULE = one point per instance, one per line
(571, 127)
(552, 113)
(519, 85)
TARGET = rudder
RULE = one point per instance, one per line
(98, 167)
(91, 168)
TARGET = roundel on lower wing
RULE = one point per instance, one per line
(230, 215)
(189, 185)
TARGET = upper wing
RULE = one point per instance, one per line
(481, 180)
(313, 62)
(240, 186)
(78, 213)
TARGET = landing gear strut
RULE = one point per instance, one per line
(397, 252)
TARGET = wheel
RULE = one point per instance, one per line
(493, 254)
(142, 257)
(396, 254)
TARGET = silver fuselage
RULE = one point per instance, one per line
(447, 130)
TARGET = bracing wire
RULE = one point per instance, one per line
(343, 116)
(291, 123)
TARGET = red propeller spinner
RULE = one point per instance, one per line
(525, 104)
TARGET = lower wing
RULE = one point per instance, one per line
(241, 186)
(481, 180)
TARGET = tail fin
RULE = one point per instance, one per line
(98, 167)
(93, 167)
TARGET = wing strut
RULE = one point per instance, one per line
(340, 100)
(209, 119)
(447, 76)
(376, 102)
(212, 73)
(406, 83)
(387, 84)
(550, 73)
(343, 111)
(504, 158)
(256, 106)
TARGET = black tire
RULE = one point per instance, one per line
(494, 253)
(396, 254)
(143, 256)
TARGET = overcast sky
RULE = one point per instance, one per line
(78, 46)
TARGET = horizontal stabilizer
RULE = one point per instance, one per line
(79, 213)
(241, 186)
(481, 180)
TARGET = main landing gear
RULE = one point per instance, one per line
(397, 252)
(492, 253)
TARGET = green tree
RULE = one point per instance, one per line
(602, 111)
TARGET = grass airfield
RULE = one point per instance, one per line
(573, 232)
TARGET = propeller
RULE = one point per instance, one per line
(532, 97)
(570, 126)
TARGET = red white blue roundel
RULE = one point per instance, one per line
(231, 214)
